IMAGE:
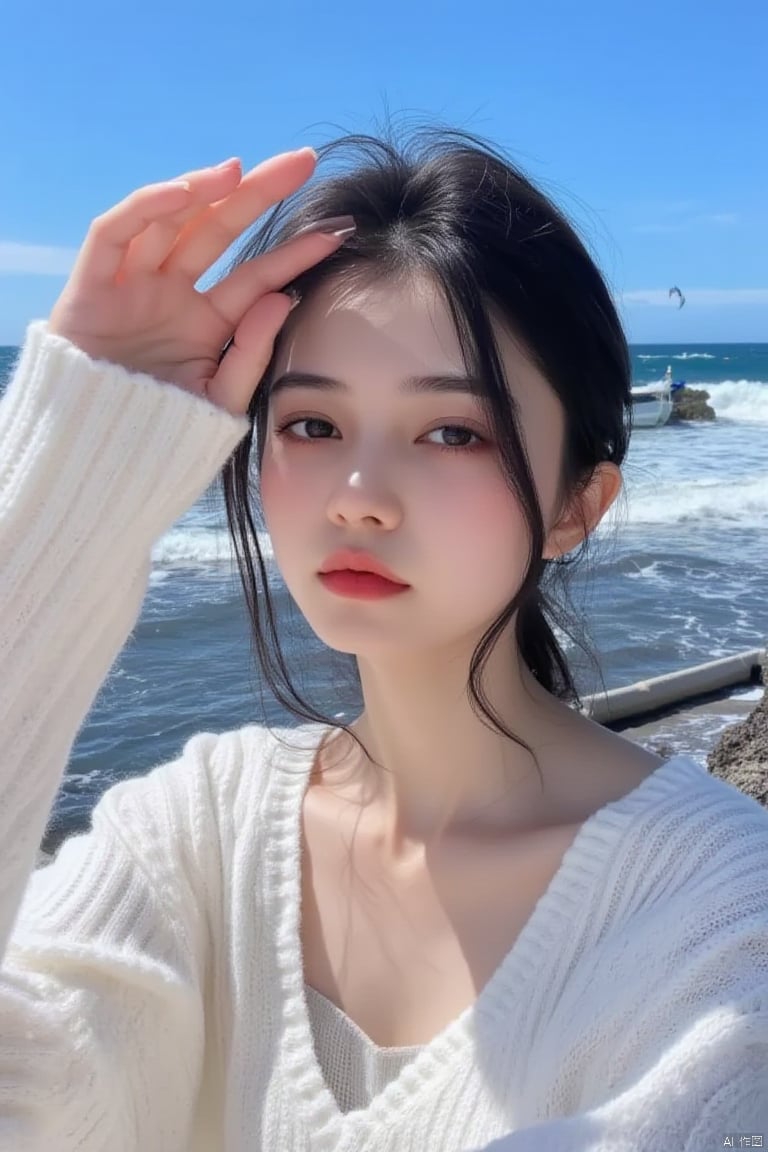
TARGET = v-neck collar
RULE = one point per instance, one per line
(549, 927)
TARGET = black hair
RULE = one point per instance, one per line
(446, 205)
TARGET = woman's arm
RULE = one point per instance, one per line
(101, 1009)
(669, 1025)
(95, 464)
(101, 1001)
(712, 1083)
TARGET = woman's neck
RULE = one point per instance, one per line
(436, 766)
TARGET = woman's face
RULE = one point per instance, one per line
(376, 442)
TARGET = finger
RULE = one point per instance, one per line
(249, 353)
(110, 234)
(151, 249)
(224, 222)
(272, 271)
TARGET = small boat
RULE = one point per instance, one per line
(652, 403)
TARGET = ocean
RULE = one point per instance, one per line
(679, 576)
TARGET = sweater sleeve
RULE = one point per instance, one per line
(711, 1084)
(100, 983)
(672, 1022)
(103, 984)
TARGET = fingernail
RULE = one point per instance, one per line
(342, 233)
(306, 148)
(338, 226)
(228, 163)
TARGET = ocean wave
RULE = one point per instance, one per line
(745, 401)
(749, 695)
(676, 356)
(191, 546)
(642, 571)
(695, 501)
(185, 547)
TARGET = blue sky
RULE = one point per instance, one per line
(647, 122)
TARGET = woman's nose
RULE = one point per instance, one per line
(364, 498)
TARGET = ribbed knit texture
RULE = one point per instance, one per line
(152, 994)
(354, 1067)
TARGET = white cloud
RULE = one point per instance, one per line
(35, 259)
(685, 221)
(703, 297)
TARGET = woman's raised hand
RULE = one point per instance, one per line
(131, 297)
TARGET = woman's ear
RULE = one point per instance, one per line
(584, 512)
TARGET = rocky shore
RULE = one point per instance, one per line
(741, 754)
(691, 404)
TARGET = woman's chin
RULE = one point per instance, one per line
(359, 641)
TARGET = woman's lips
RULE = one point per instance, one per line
(360, 585)
(357, 560)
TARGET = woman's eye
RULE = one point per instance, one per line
(449, 437)
(455, 436)
(309, 428)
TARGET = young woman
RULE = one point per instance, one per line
(470, 919)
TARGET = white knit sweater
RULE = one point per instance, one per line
(151, 994)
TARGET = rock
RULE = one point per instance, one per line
(691, 404)
(741, 754)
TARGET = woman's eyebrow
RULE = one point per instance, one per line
(412, 385)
